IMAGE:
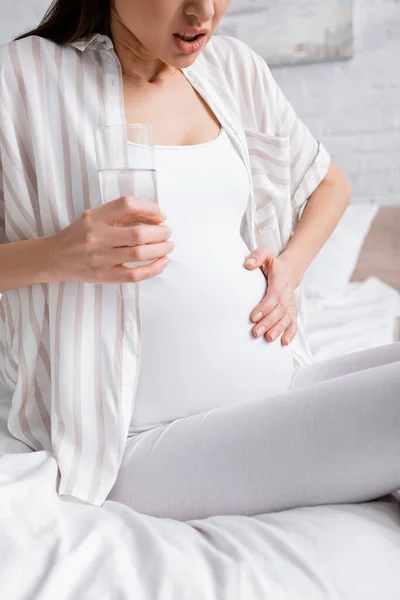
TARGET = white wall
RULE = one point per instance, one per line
(17, 16)
(352, 106)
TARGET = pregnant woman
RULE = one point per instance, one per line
(185, 387)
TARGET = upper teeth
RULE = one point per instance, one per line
(188, 36)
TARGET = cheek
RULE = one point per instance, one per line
(220, 7)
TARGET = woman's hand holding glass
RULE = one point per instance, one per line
(94, 247)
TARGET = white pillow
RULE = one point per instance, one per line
(334, 264)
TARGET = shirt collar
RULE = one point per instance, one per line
(84, 42)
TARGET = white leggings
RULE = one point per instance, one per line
(333, 437)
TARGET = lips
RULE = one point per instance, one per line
(191, 47)
(192, 39)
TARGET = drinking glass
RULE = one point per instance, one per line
(126, 165)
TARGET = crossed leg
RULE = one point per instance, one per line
(333, 437)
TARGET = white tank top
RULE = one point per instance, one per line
(198, 349)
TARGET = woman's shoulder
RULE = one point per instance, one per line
(20, 55)
(23, 47)
(233, 65)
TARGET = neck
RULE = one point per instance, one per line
(137, 66)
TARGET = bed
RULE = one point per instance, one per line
(55, 549)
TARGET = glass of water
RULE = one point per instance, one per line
(126, 165)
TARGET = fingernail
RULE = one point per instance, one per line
(258, 317)
(260, 331)
(250, 261)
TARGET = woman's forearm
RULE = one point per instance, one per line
(26, 262)
(321, 214)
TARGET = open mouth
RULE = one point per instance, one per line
(189, 39)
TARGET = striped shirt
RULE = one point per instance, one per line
(70, 351)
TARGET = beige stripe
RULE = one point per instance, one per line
(298, 156)
(80, 106)
(77, 387)
(254, 72)
(266, 198)
(45, 291)
(241, 70)
(216, 83)
(283, 163)
(13, 365)
(99, 396)
(278, 142)
(262, 100)
(66, 144)
(262, 93)
(296, 128)
(60, 430)
(18, 165)
(283, 182)
(49, 170)
(119, 328)
(228, 73)
(38, 393)
(22, 210)
(307, 166)
(24, 380)
(99, 383)
(286, 109)
(10, 321)
(14, 227)
(23, 154)
(266, 223)
(12, 382)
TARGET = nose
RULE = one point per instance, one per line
(203, 10)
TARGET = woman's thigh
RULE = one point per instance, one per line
(342, 365)
(334, 441)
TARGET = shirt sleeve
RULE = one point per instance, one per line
(309, 159)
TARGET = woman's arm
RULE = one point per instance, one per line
(321, 214)
(26, 262)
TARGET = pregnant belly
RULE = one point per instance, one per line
(198, 349)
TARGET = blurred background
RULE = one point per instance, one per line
(337, 61)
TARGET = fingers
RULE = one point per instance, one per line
(128, 209)
(272, 300)
(274, 322)
(138, 234)
(121, 274)
(290, 332)
(145, 252)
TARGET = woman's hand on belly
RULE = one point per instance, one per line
(277, 312)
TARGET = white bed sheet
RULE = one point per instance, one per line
(50, 548)
(361, 316)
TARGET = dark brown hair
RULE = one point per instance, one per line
(68, 20)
